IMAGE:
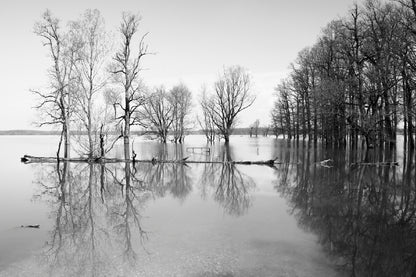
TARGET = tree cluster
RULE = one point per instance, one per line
(96, 94)
(167, 112)
(357, 81)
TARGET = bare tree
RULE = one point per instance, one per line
(254, 129)
(266, 130)
(90, 31)
(109, 133)
(55, 104)
(157, 113)
(126, 69)
(231, 97)
(180, 98)
(206, 122)
(281, 112)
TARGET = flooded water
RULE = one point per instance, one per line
(301, 218)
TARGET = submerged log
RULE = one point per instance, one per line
(32, 159)
(27, 159)
(30, 226)
(393, 163)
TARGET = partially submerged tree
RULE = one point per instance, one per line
(254, 128)
(231, 96)
(157, 113)
(180, 98)
(91, 80)
(206, 122)
(281, 112)
(56, 104)
(126, 70)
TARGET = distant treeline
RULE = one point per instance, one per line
(263, 131)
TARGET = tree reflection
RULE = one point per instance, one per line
(231, 188)
(124, 210)
(162, 178)
(77, 243)
(364, 215)
(96, 216)
(97, 211)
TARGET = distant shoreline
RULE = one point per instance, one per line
(237, 131)
(29, 133)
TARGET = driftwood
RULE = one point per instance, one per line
(27, 159)
(393, 163)
(326, 163)
(30, 226)
(33, 159)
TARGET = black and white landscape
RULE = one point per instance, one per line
(208, 138)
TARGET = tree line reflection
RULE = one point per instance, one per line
(98, 209)
(364, 216)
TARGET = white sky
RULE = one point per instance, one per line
(193, 39)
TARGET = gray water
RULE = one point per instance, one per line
(300, 218)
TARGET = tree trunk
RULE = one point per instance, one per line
(89, 125)
(67, 143)
(226, 138)
(102, 151)
(126, 134)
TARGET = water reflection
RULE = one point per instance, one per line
(97, 218)
(162, 178)
(232, 189)
(364, 216)
(98, 209)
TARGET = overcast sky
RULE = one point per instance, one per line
(193, 39)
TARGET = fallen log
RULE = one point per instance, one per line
(30, 226)
(27, 159)
(32, 159)
(393, 163)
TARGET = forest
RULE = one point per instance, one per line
(356, 83)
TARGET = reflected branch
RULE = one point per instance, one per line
(230, 186)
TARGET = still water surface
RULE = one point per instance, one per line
(298, 219)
